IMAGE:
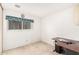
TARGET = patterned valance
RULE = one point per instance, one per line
(18, 19)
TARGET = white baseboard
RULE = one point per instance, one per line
(49, 42)
(27, 43)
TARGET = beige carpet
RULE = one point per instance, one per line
(38, 48)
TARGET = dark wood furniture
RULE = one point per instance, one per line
(68, 47)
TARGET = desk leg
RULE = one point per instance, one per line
(59, 49)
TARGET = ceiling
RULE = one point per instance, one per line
(37, 9)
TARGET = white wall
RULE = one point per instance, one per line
(60, 24)
(0, 29)
(17, 38)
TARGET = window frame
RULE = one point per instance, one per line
(28, 24)
(21, 23)
(15, 27)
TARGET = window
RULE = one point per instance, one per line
(26, 25)
(18, 23)
(14, 24)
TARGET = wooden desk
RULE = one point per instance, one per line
(74, 47)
